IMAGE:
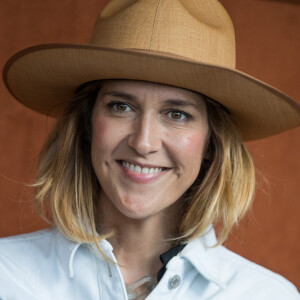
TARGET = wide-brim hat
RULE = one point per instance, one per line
(184, 43)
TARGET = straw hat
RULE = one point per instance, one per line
(184, 43)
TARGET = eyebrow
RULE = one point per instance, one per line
(122, 95)
(168, 102)
(181, 103)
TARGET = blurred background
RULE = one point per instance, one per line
(268, 47)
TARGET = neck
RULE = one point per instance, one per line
(138, 243)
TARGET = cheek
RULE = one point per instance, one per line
(107, 135)
(189, 150)
(105, 140)
(100, 132)
(193, 141)
(191, 144)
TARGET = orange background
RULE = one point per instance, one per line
(268, 48)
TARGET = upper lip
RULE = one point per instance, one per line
(143, 165)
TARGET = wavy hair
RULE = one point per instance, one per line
(67, 189)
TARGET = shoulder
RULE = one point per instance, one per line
(22, 256)
(21, 238)
(254, 279)
(230, 276)
(33, 244)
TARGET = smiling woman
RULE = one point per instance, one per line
(142, 175)
(145, 161)
(146, 134)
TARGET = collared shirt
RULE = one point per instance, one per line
(166, 257)
(45, 265)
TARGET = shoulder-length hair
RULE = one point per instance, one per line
(67, 189)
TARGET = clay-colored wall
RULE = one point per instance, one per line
(268, 47)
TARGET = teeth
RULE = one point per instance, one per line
(138, 169)
(145, 170)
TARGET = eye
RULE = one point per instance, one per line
(119, 106)
(178, 116)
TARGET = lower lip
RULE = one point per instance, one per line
(140, 177)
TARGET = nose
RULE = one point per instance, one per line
(146, 135)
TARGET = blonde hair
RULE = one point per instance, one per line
(67, 189)
(224, 189)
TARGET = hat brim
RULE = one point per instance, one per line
(46, 76)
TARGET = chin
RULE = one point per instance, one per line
(137, 211)
(137, 214)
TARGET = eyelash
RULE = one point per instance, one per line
(188, 117)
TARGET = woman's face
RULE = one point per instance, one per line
(147, 144)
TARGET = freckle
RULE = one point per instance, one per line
(191, 142)
(191, 138)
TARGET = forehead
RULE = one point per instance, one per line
(144, 89)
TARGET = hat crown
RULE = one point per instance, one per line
(195, 29)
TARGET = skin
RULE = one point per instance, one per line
(140, 122)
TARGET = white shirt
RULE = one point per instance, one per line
(45, 265)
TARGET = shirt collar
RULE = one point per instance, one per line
(66, 250)
(200, 253)
(205, 258)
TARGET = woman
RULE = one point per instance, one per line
(146, 157)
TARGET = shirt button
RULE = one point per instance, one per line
(174, 282)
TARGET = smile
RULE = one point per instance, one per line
(142, 173)
(141, 170)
